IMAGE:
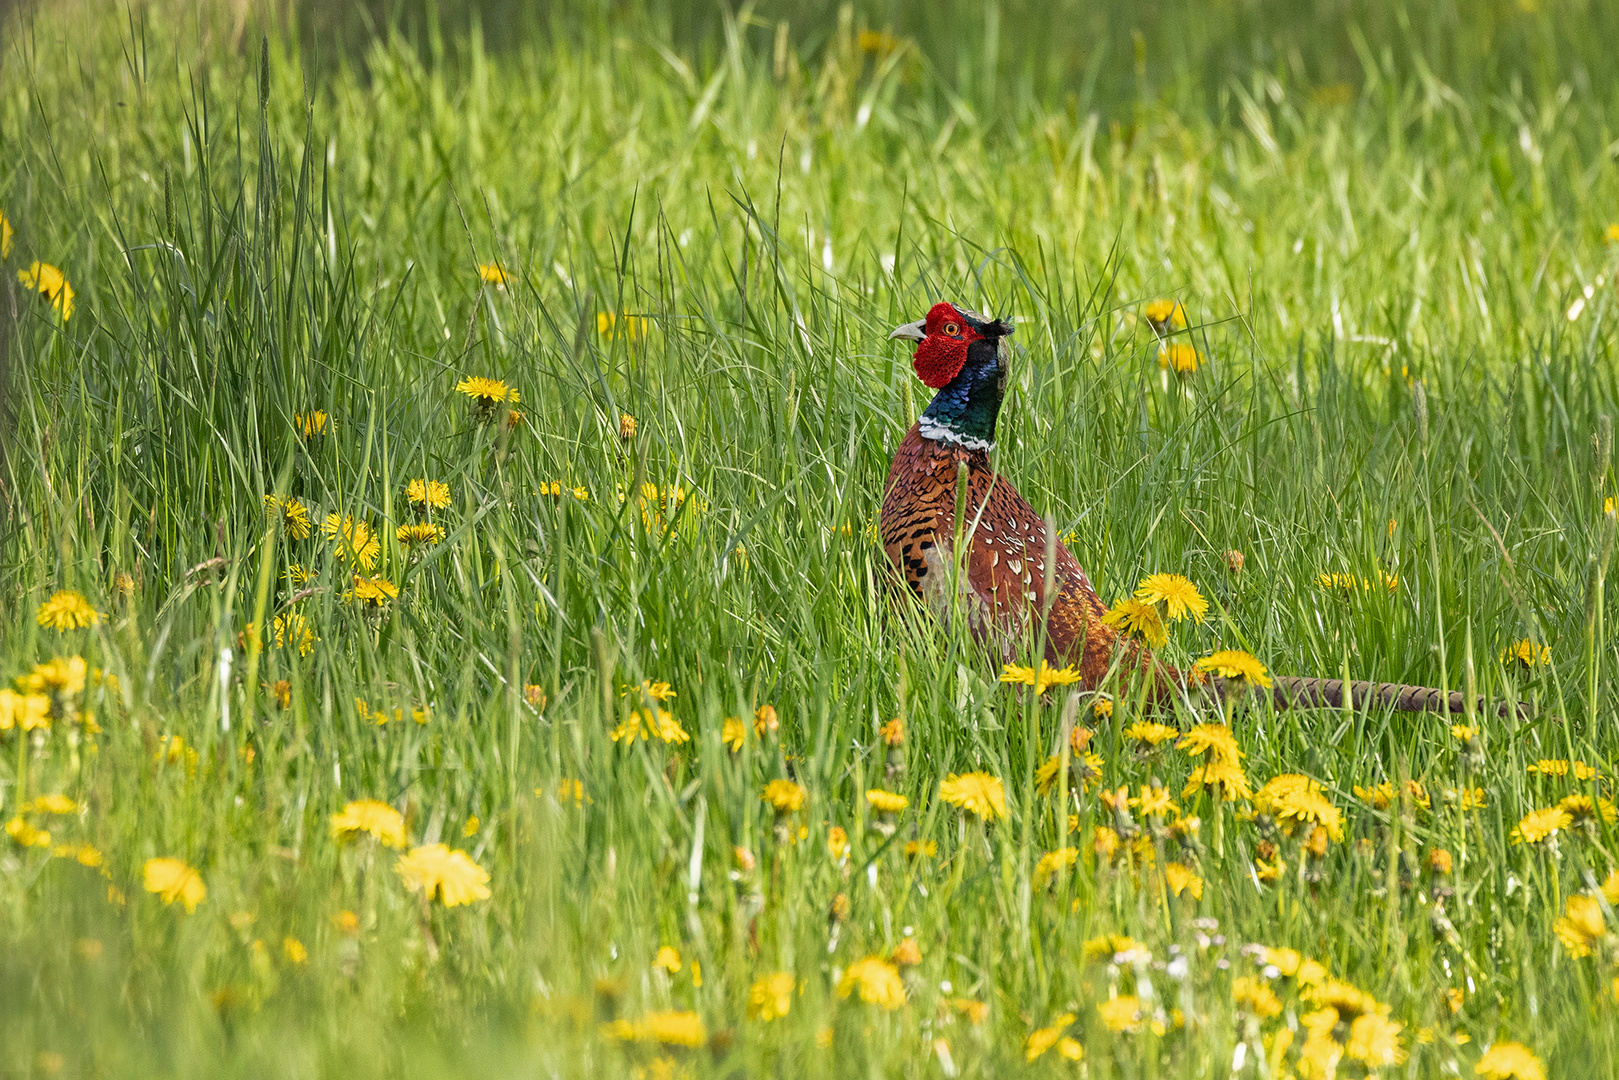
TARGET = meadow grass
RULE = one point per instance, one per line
(1398, 283)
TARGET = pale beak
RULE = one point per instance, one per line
(911, 331)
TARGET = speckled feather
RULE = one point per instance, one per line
(1006, 556)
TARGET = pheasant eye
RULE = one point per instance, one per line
(952, 329)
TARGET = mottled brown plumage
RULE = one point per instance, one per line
(1002, 592)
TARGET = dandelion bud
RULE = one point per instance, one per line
(626, 426)
(1233, 561)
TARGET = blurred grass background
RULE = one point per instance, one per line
(1349, 199)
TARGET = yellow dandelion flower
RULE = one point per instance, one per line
(1583, 811)
(582, 494)
(173, 880)
(1135, 618)
(1463, 733)
(1045, 1038)
(292, 515)
(1537, 825)
(1235, 664)
(1527, 654)
(5, 237)
(733, 733)
(1611, 234)
(1375, 1041)
(1254, 994)
(67, 610)
(1164, 315)
(27, 711)
(420, 533)
(1581, 925)
(423, 494)
(668, 959)
(1610, 888)
(444, 874)
(25, 835)
(785, 796)
(50, 283)
(1155, 801)
(373, 592)
(355, 541)
(771, 997)
(765, 721)
(877, 980)
(1181, 878)
(1509, 1061)
(925, 849)
(487, 392)
(1176, 593)
(293, 628)
(1053, 861)
(61, 676)
(907, 954)
(1214, 739)
(370, 817)
(976, 792)
(837, 843)
(1225, 777)
(1179, 357)
(1152, 734)
(294, 951)
(491, 274)
(611, 324)
(886, 802)
(51, 804)
(1562, 767)
(1121, 1014)
(893, 732)
(1294, 799)
(310, 424)
(1040, 678)
(83, 854)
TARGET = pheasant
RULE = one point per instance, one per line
(1002, 589)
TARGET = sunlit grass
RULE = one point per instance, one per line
(460, 476)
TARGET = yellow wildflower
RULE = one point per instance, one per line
(310, 424)
(1214, 739)
(1045, 1038)
(1182, 879)
(771, 997)
(886, 802)
(173, 880)
(733, 733)
(487, 393)
(1164, 315)
(1176, 593)
(1150, 732)
(626, 426)
(785, 796)
(1179, 357)
(1527, 654)
(67, 610)
(1053, 861)
(5, 237)
(292, 515)
(1562, 767)
(1583, 811)
(837, 843)
(356, 541)
(1226, 777)
(668, 959)
(1464, 733)
(1121, 1014)
(1537, 825)
(51, 804)
(1581, 925)
(765, 721)
(1235, 664)
(27, 711)
(373, 592)
(373, 817)
(417, 533)
(1509, 1061)
(977, 792)
(1040, 678)
(877, 981)
(424, 494)
(61, 676)
(1137, 619)
(26, 835)
(491, 274)
(293, 628)
(49, 282)
(1255, 995)
(611, 324)
(445, 874)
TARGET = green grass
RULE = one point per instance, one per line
(1348, 213)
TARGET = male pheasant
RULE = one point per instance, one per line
(1002, 592)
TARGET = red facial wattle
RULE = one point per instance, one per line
(940, 355)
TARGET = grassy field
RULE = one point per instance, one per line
(226, 618)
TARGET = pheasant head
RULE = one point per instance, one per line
(959, 354)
